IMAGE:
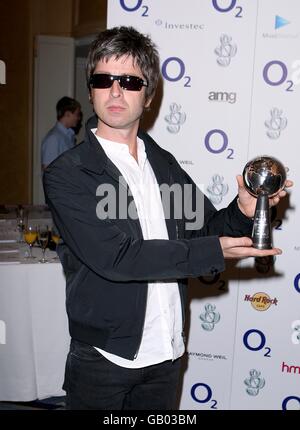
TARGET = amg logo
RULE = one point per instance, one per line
(222, 96)
(290, 369)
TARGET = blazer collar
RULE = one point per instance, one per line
(94, 158)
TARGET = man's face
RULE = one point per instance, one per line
(73, 118)
(116, 108)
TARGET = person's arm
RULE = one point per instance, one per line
(207, 220)
(107, 250)
(50, 150)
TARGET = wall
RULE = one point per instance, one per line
(231, 75)
(89, 17)
(15, 103)
(19, 23)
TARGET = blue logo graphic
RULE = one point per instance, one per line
(196, 392)
(294, 399)
(248, 341)
(280, 22)
(297, 283)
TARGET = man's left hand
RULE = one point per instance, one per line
(247, 202)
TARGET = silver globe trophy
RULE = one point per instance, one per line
(264, 177)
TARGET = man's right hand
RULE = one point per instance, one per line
(241, 247)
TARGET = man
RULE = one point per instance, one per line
(127, 259)
(62, 136)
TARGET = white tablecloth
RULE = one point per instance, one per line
(34, 347)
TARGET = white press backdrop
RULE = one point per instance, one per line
(231, 75)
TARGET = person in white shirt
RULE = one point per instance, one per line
(126, 253)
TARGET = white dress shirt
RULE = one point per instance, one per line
(162, 334)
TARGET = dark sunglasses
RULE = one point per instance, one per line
(126, 82)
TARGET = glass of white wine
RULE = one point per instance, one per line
(30, 236)
(43, 237)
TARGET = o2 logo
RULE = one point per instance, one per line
(274, 219)
(169, 75)
(221, 145)
(133, 8)
(215, 280)
(250, 341)
(202, 393)
(283, 75)
(218, 5)
(289, 399)
(297, 283)
(296, 73)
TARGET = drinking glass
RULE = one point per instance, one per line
(55, 237)
(20, 222)
(43, 237)
(30, 236)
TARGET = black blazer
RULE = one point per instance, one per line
(107, 263)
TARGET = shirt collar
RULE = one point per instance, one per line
(113, 148)
(67, 131)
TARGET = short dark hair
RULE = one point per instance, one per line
(66, 104)
(126, 41)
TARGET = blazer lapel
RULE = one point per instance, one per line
(161, 166)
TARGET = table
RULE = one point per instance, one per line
(32, 311)
(34, 337)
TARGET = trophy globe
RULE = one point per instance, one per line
(264, 177)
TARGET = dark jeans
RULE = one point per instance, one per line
(93, 382)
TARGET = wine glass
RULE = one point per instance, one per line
(30, 236)
(43, 237)
(20, 222)
(55, 236)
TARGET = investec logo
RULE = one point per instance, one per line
(260, 301)
(179, 25)
(222, 96)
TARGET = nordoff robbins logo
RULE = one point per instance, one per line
(296, 332)
(254, 383)
(275, 124)
(260, 301)
(210, 317)
(175, 118)
(217, 189)
(226, 51)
